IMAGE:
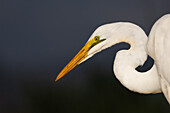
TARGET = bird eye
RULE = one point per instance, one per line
(96, 38)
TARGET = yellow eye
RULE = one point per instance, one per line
(97, 38)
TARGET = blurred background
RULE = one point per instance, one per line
(39, 37)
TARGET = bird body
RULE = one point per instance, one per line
(159, 49)
(156, 79)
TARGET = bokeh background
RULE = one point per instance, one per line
(39, 37)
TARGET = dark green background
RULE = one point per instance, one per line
(39, 37)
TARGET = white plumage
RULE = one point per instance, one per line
(159, 49)
(155, 80)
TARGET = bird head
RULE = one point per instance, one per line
(95, 44)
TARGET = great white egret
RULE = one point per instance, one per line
(155, 80)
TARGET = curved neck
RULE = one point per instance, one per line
(141, 82)
(127, 60)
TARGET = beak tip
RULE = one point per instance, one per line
(56, 79)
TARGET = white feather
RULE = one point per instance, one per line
(157, 79)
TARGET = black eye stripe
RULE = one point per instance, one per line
(93, 45)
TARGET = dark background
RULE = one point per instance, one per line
(39, 37)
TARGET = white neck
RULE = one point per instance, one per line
(127, 60)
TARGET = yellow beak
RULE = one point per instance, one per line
(82, 54)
